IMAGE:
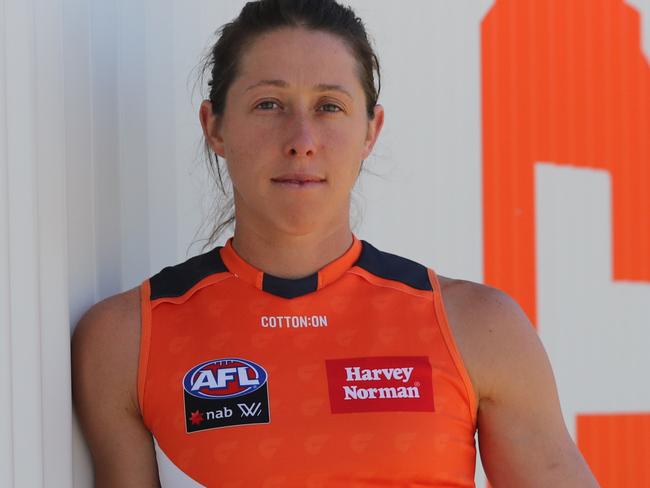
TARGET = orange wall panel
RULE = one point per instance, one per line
(566, 82)
(563, 82)
(617, 448)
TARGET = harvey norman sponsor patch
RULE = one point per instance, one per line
(225, 392)
(380, 384)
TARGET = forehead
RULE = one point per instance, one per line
(302, 58)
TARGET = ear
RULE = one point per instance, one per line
(374, 128)
(211, 125)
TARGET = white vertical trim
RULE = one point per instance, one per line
(132, 135)
(82, 273)
(79, 156)
(25, 389)
(104, 33)
(161, 132)
(52, 226)
(6, 414)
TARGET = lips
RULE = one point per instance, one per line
(298, 178)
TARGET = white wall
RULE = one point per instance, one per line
(35, 413)
(586, 318)
(101, 181)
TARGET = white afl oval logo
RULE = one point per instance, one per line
(224, 378)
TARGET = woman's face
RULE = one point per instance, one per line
(297, 110)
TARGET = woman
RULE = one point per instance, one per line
(297, 354)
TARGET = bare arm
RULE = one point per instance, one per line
(105, 351)
(523, 440)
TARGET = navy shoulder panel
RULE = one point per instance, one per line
(392, 267)
(174, 281)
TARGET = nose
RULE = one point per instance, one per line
(301, 140)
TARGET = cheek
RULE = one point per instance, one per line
(243, 171)
(245, 155)
(239, 141)
(346, 148)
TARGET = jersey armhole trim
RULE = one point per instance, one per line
(452, 346)
(386, 283)
(145, 341)
(207, 281)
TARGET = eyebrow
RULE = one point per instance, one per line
(322, 87)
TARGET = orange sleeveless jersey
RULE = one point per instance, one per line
(349, 377)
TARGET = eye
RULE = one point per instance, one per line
(332, 106)
(265, 105)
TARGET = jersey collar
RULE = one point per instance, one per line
(287, 287)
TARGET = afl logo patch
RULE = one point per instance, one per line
(225, 392)
(224, 378)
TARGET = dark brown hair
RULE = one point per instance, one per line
(262, 16)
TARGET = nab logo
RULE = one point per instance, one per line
(224, 378)
(224, 393)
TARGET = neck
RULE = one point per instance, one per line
(291, 256)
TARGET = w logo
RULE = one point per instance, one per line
(251, 410)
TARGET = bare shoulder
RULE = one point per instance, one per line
(122, 306)
(518, 403)
(105, 355)
(107, 339)
(490, 328)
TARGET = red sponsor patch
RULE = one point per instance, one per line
(380, 384)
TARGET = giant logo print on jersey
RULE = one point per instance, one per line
(225, 392)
